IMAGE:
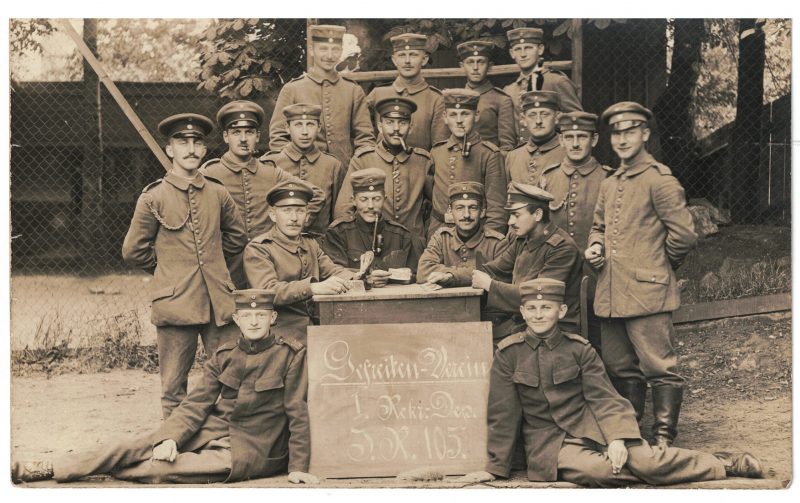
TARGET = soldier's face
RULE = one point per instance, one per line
(460, 121)
(303, 132)
(578, 144)
(541, 122)
(542, 315)
(368, 205)
(522, 221)
(254, 323)
(289, 219)
(326, 55)
(526, 55)
(630, 142)
(186, 153)
(467, 213)
(409, 63)
(393, 129)
(241, 141)
(475, 68)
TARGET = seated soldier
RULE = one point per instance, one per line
(350, 236)
(575, 425)
(291, 263)
(247, 418)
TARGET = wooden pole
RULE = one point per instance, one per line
(309, 51)
(118, 97)
(577, 56)
(434, 73)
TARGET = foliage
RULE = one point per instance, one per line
(251, 58)
(762, 278)
(24, 35)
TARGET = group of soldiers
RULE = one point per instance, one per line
(478, 186)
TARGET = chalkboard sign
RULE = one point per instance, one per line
(386, 398)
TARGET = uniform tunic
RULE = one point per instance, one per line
(551, 80)
(526, 163)
(409, 182)
(250, 401)
(317, 168)
(447, 253)
(350, 236)
(484, 165)
(345, 118)
(182, 231)
(496, 122)
(427, 122)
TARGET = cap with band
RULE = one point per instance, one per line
(240, 113)
(540, 99)
(522, 194)
(542, 289)
(409, 41)
(474, 48)
(396, 107)
(330, 33)
(461, 98)
(577, 121)
(525, 36)
(186, 126)
(625, 115)
(302, 111)
(368, 180)
(254, 298)
(290, 193)
(465, 190)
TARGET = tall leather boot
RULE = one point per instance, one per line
(667, 401)
(634, 391)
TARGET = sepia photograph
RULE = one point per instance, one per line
(450, 253)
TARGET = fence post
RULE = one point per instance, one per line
(577, 56)
(309, 52)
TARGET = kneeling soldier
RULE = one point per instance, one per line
(575, 426)
(247, 418)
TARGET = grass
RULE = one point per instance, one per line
(762, 278)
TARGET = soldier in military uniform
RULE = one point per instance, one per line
(304, 160)
(409, 170)
(526, 46)
(246, 419)
(642, 231)
(367, 229)
(575, 426)
(291, 263)
(409, 55)
(247, 179)
(495, 108)
(465, 157)
(540, 250)
(183, 228)
(543, 150)
(345, 116)
(575, 183)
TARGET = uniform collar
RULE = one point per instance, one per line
(545, 147)
(644, 161)
(255, 347)
(524, 78)
(293, 153)
(474, 138)
(401, 85)
(317, 76)
(483, 87)
(551, 341)
(232, 163)
(280, 239)
(388, 156)
(182, 183)
(584, 169)
(473, 242)
(540, 235)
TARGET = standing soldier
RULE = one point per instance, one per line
(496, 123)
(183, 228)
(247, 179)
(526, 46)
(409, 55)
(642, 231)
(292, 264)
(408, 170)
(345, 116)
(575, 184)
(542, 150)
(302, 159)
(350, 236)
(464, 157)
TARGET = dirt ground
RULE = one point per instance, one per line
(739, 397)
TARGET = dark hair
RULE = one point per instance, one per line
(545, 206)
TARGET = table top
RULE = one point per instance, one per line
(399, 292)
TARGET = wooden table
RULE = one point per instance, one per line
(400, 304)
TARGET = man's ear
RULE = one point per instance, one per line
(273, 318)
(645, 133)
(272, 215)
(595, 139)
(540, 50)
(425, 59)
(538, 215)
(235, 317)
(483, 213)
(562, 311)
(168, 150)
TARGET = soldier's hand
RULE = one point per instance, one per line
(378, 278)
(618, 455)
(594, 255)
(302, 478)
(165, 451)
(475, 477)
(481, 280)
(439, 277)
(331, 286)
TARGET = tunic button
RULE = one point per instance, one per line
(572, 203)
(463, 259)
(396, 208)
(620, 189)
(248, 220)
(572, 213)
(397, 189)
(197, 231)
(574, 184)
(200, 252)
(575, 176)
(573, 195)
(572, 224)
(201, 262)
(613, 251)
(397, 199)
(571, 233)
(653, 278)
(452, 177)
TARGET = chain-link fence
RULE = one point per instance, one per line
(77, 165)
